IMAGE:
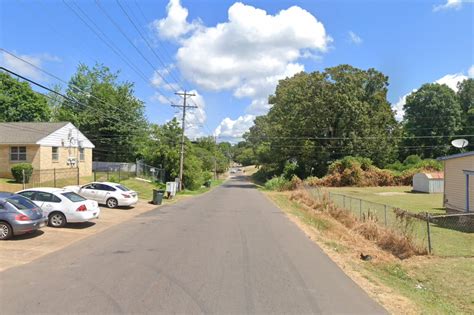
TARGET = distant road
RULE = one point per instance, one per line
(230, 251)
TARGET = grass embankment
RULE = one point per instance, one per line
(445, 241)
(420, 284)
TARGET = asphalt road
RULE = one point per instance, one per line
(230, 251)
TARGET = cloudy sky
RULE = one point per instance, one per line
(231, 55)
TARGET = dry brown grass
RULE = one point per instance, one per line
(397, 243)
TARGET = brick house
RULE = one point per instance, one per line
(47, 146)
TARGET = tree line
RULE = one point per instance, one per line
(317, 118)
(108, 113)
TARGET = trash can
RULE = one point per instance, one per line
(207, 183)
(158, 196)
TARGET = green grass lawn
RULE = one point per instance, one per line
(396, 196)
(145, 189)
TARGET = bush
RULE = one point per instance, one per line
(17, 172)
(276, 183)
(412, 160)
(290, 170)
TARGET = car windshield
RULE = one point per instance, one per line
(122, 188)
(73, 196)
(21, 203)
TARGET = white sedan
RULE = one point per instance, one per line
(62, 206)
(111, 194)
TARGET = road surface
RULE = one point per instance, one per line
(230, 251)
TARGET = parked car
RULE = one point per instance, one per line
(62, 206)
(18, 215)
(110, 194)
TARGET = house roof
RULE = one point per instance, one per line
(454, 156)
(27, 132)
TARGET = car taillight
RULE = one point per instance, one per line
(126, 196)
(82, 208)
(22, 217)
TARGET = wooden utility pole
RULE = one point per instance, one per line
(184, 95)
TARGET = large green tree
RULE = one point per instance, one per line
(432, 118)
(106, 111)
(466, 100)
(18, 102)
(321, 116)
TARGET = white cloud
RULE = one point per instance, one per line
(470, 72)
(451, 80)
(451, 4)
(175, 24)
(250, 52)
(195, 117)
(24, 69)
(232, 130)
(160, 98)
(354, 38)
(398, 107)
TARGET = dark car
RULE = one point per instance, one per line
(18, 215)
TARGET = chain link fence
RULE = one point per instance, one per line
(442, 235)
(118, 171)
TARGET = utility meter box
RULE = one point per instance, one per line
(171, 188)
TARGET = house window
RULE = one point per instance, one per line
(55, 155)
(17, 153)
(81, 154)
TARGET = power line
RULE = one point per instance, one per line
(97, 2)
(107, 41)
(148, 44)
(106, 117)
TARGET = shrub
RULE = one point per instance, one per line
(17, 172)
(276, 183)
(290, 170)
(412, 160)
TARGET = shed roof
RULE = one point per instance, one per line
(27, 132)
(432, 175)
(454, 156)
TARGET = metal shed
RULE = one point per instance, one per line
(428, 182)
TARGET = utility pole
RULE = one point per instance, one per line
(215, 158)
(183, 126)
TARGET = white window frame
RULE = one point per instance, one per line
(82, 154)
(55, 155)
(16, 156)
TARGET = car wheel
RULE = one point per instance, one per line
(5, 231)
(57, 220)
(112, 203)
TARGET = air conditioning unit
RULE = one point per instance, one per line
(71, 161)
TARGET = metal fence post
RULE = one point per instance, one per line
(78, 175)
(344, 201)
(360, 209)
(54, 176)
(385, 214)
(95, 175)
(428, 217)
(23, 178)
(119, 173)
(107, 174)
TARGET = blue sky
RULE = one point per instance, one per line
(232, 54)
